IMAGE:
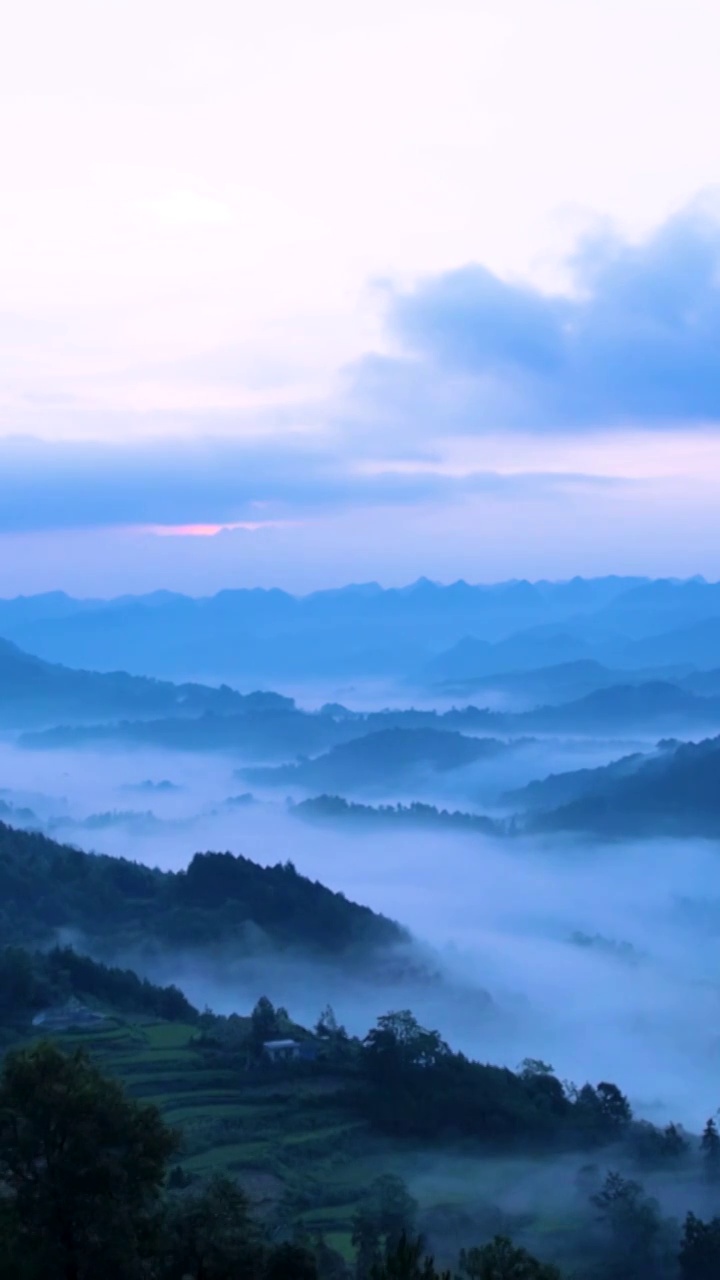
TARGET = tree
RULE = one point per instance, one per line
(264, 1023)
(83, 1166)
(209, 1235)
(399, 1041)
(531, 1068)
(386, 1215)
(327, 1026)
(635, 1239)
(614, 1108)
(657, 1148)
(602, 1114)
(710, 1147)
(289, 1261)
(675, 1144)
(699, 1256)
(406, 1260)
(502, 1260)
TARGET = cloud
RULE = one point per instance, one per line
(635, 345)
(187, 208)
(203, 482)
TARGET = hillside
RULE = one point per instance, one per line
(325, 1141)
(36, 692)
(335, 809)
(657, 704)
(564, 682)
(675, 792)
(34, 981)
(267, 733)
(472, 657)
(389, 757)
(218, 901)
(562, 788)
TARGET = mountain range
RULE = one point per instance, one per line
(369, 630)
(35, 691)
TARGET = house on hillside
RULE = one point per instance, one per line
(289, 1051)
(281, 1050)
(65, 1016)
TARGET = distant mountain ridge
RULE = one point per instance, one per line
(360, 628)
(32, 690)
(273, 731)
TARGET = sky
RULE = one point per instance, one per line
(303, 293)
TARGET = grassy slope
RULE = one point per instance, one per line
(290, 1135)
(279, 1134)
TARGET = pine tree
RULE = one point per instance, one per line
(710, 1147)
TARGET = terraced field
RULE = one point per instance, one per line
(291, 1140)
(288, 1139)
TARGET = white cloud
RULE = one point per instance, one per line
(187, 208)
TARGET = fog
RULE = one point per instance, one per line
(497, 915)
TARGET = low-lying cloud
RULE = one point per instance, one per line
(636, 1002)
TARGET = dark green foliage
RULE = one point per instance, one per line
(265, 1025)
(219, 898)
(502, 1260)
(700, 1249)
(417, 1087)
(335, 808)
(328, 1029)
(385, 1217)
(601, 1114)
(290, 1261)
(82, 1166)
(673, 791)
(389, 755)
(31, 981)
(710, 1147)
(210, 1235)
(634, 1238)
(406, 1260)
(658, 1148)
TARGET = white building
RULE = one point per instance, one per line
(281, 1050)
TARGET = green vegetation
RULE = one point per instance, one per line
(336, 809)
(219, 899)
(31, 982)
(308, 1152)
(673, 792)
(388, 756)
(89, 1188)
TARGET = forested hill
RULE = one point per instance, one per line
(674, 791)
(336, 809)
(32, 981)
(377, 759)
(36, 692)
(218, 901)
